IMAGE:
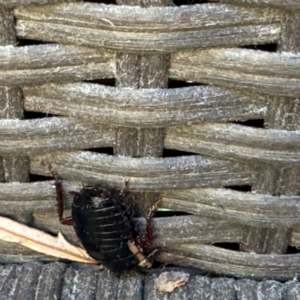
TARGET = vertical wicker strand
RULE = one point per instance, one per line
(141, 71)
(283, 115)
(12, 168)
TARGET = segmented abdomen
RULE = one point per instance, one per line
(103, 228)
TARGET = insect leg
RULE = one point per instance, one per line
(60, 201)
(143, 260)
(149, 225)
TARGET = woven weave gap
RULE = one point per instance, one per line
(292, 250)
(35, 178)
(162, 213)
(37, 115)
(229, 246)
(176, 153)
(259, 123)
(106, 150)
(192, 2)
(28, 42)
(102, 1)
(241, 188)
(180, 83)
(266, 47)
(106, 81)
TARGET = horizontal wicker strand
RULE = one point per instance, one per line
(159, 29)
(14, 3)
(269, 73)
(238, 142)
(288, 4)
(53, 63)
(243, 208)
(258, 266)
(151, 19)
(146, 173)
(48, 134)
(144, 107)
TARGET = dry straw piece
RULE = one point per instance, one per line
(37, 240)
(199, 105)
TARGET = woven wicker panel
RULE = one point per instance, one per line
(172, 90)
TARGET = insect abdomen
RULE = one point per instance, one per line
(103, 228)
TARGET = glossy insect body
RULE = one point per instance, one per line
(104, 228)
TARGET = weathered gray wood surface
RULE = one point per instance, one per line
(116, 27)
(60, 281)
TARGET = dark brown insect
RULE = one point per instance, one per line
(105, 227)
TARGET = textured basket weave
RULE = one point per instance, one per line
(225, 90)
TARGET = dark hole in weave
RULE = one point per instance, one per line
(266, 47)
(106, 81)
(27, 42)
(259, 123)
(180, 83)
(36, 115)
(175, 153)
(101, 1)
(35, 178)
(191, 2)
(240, 188)
(228, 246)
(169, 213)
(292, 250)
(104, 150)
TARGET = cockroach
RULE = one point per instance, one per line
(104, 225)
